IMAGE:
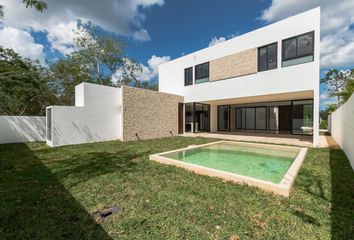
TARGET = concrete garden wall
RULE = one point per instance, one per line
(95, 117)
(341, 127)
(21, 129)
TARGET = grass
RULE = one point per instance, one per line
(50, 193)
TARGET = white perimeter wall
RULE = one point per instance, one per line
(21, 129)
(341, 127)
(96, 116)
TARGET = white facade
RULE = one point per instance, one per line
(95, 117)
(283, 83)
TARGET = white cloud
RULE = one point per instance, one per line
(216, 40)
(61, 36)
(152, 69)
(141, 35)
(154, 62)
(148, 72)
(337, 43)
(21, 42)
(124, 17)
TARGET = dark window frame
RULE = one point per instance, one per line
(258, 55)
(185, 74)
(195, 72)
(297, 49)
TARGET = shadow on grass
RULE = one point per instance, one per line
(35, 205)
(342, 215)
(87, 165)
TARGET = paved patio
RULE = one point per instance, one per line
(286, 139)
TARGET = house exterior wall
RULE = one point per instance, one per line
(97, 116)
(149, 114)
(16, 129)
(341, 127)
(234, 65)
(297, 78)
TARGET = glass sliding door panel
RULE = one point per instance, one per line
(223, 118)
(260, 118)
(201, 117)
(273, 118)
(243, 118)
(302, 122)
(189, 116)
(238, 118)
(250, 118)
(206, 117)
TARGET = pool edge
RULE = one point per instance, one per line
(283, 188)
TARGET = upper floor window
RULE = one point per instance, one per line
(298, 49)
(202, 73)
(267, 57)
(188, 76)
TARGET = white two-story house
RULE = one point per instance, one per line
(263, 81)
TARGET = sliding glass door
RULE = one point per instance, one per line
(189, 117)
(302, 117)
(224, 118)
(251, 118)
(201, 117)
(197, 117)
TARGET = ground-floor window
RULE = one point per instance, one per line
(197, 117)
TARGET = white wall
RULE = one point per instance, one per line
(21, 129)
(96, 116)
(300, 77)
(342, 128)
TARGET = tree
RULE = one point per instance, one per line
(331, 108)
(97, 58)
(150, 85)
(129, 73)
(37, 4)
(101, 54)
(65, 75)
(24, 86)
(335, 81)
(348, 88)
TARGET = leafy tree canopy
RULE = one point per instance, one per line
(24, 85)
(37, 4)
(96, 58)
(335, 81)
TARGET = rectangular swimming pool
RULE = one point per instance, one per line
(270, 167)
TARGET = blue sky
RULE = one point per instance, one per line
(185, 26)
(156, 31)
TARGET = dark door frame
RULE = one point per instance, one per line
(180, 118)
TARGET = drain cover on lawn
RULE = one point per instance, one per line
(99, 216)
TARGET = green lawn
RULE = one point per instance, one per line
(48, 193)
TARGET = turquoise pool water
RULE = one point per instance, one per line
(257, 161)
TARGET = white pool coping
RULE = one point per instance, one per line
(282, 188)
